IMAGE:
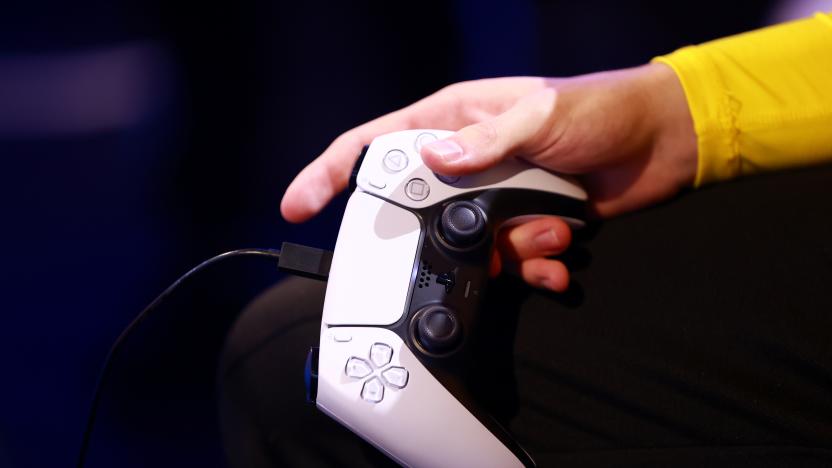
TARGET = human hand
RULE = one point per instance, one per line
(627, 135)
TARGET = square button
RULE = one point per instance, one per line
(417, 189)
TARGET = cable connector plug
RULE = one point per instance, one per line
(304, 261)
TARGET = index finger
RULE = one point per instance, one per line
(327, 175)
(450, 108)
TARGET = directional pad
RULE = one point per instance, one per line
(381, 354)
(384, 375)
(358, 368)
(373, 390)
(396, 376)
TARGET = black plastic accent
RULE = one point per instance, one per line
(448, 280)
(310, 377)
(457, 369)
(438, 329)
(301, 260)
(462, 224)
(356, 167)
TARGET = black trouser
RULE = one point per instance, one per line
(695, 334)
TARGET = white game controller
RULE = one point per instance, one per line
(408, 277)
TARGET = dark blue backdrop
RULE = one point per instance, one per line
(139, 137)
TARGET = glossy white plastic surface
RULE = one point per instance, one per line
(420, 425)
(512, 173)
(372, 263)
(399, 406)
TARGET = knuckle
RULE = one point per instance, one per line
(541, 104)
(484, 132)
(453, 88)
(451, 98)
(539, 111)
(348, 138)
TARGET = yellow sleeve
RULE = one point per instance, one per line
(761, 100)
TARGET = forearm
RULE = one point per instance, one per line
(760, 100)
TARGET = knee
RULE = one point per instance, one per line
(260, 375)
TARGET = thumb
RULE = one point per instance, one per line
(484, 144)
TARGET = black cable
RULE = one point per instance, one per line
(105, 369)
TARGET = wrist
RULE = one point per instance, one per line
(674, 140)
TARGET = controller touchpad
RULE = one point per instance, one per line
(376, 249)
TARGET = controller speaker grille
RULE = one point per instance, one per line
(424, 275)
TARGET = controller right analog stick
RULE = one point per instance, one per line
(438, 329)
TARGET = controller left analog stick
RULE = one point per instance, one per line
(462, 224)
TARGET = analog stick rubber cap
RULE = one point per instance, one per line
(439, 330)
(462, 224)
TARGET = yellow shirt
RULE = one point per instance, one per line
(761, 100)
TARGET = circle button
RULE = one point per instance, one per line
(417, 189)
(395, 160)
(422, 140)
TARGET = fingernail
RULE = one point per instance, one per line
(547, 283)
(448, 150)
(546, 240)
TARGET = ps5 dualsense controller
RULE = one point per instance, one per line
(401, 314)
